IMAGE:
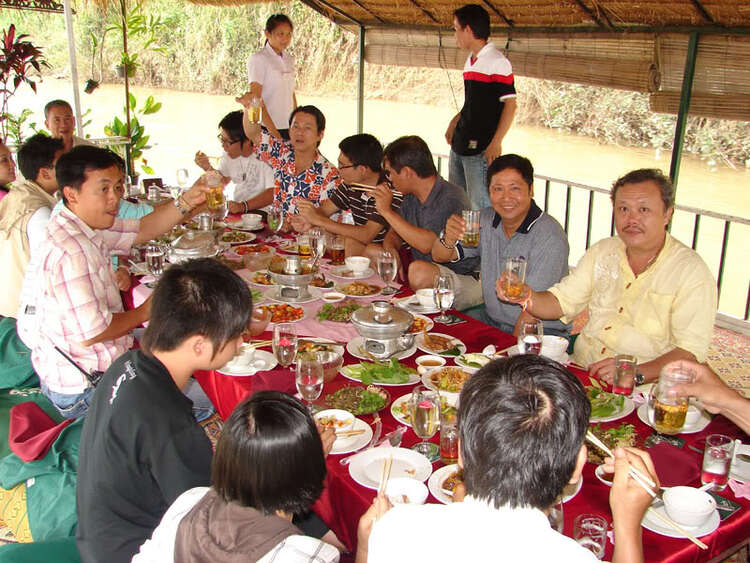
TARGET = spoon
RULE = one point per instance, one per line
(744, 457)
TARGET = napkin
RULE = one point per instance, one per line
(32, 432)
(740, 490)
(675, 466)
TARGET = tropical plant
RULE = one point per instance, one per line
(141, 32)
(19, 58)
(138, 140)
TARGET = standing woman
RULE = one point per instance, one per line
(7, 169)
(272, 74)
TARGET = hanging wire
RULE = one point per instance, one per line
(444, 66)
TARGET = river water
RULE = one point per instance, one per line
(188, 122)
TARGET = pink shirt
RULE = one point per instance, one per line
(76, 297)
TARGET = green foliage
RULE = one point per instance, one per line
(15, 125)
(138, 139)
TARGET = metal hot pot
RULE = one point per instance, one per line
(384, 328)
(193, 244)
(293, 277)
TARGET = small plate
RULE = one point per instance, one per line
(238, 227)
(428, 324)
(263, 361)
(366, 468)
(356, 348)
(353, 443)
(740, 469)
(397, 413)
(346, 273)
(703, 421)
(627, 407)
(435, 483)
(332, 297)
(412, 304)
(461, 361)
(247, 237)
(570, 491)
(419, 341)
(652, 523)
(413, 378)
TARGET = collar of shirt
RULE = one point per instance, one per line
(487, 47)
(270, 51)
(625, 264)
(531, 217)
(69, 216)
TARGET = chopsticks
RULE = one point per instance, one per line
(385, 474)
(360, 187)
(349, 433)
(646, 482)
(259, 343)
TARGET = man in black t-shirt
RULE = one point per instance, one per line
(140, 445)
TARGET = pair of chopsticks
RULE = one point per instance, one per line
(360, 187)
(349, 433)
(385, 474)
(646, 482)
(259, 343)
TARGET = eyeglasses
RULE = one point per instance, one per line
(226, 142)
(347, 166)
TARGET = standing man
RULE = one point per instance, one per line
(476, 133)
(60, 122)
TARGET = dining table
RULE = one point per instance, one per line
(343, 500)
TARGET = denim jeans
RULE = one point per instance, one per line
(202, 405)
(70, 406)
(470, 172)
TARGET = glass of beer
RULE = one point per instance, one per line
(337, 250)
(253, 110)
(215, 194)
(515, 276)
(624, 380)
(303, 244)
(667, 411)
(448, 434)
(471, 234)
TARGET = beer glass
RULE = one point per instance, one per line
(253, 110)
(443, 294)
(337, 250)
(386, 266)
(155, 254)
(215, 194)
(471, 234)
(667, 411)
(515, 276)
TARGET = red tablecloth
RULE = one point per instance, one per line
(344, 501)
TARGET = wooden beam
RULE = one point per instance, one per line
(590, 13)
(700, 8)
(425, 11)
(369, 11)
(499, 13)
(333, 9)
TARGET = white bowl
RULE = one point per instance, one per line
(688, 506)
(333, 297)
(554, 347)
(357, 264)
(693, 415)
(429, 362)
(251, 220)
(338, 419)
(425, 297)
(243, 358)
(398, 488)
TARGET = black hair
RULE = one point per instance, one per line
(232, 124)
(320, 119)
(476, 18)
(276, 20)
(55, 104)
(643, 175)
(521, 164)
(364, 150)
(269, 455)
(522, 421)
(413, 152)
(36, 153)
(198, 297)
(72, 167)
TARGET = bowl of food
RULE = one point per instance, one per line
(426, 298)
(330, 354)
(688, 506)
(337, 419)
(405, 490)
(357, 264)
(448, 381)
(256, 256)
(333, 297)
(428, 362)
(332, 362)
(251, 220)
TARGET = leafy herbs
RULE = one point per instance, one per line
(357, 400)
(391, 372)
(339, 313)
(604, 404)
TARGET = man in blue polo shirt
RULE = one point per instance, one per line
(476, 133)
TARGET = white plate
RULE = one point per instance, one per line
(419, 341)
(627, 407)
(461, 362)
(703, 421)
(740, 469)
(366, 468)
(249, 278)
(353, 443)
(396, 414)
(341, 271)
(263, 361)
(564, 359)
(413, 378)
(652, 523)
(340, 289)
(570, 491)
(429, 326)
(250, 238)
(356, 348)
(332, 297)
(413, 305)
(435, 484)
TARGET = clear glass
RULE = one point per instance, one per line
(471, 234)
(284, 343)
(667, 411)
(215, 194)
(317, 243)
(448, 434)
(386, 266)
(337, 250)
(443, 294)
(182, 177)
(303, 244)
(555, 516)
(530, 337)
(275, 219)
(155, 254)
(514, 276)
(717, 457)
(624, 379)
(425, 420)
(309, 379)
(590, 530)
(253, 110)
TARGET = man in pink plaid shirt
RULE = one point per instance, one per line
(71, 304)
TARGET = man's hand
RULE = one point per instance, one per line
(327, 437)
(451, 129)
(493, 150)
(235, 207)
(308, 211)
(245, 99)
(707, 386)
(455, 228)
(501, 288)
(299, 224)
(122, 275)
(627, 498)
(604, 370)
(380, 505)
(201, 159)
(196, 194)
(383, 198)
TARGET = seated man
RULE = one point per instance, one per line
(522, 424)
(300, 171)
(249, 176)
(514, 226)
(647, 294)
(71, 313)
(428, 202)
(359, 162)
(61, 124)
(140, 446)
(24, 214)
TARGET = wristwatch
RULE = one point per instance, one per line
(639, 378)
(441, 238)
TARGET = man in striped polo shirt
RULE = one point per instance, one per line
(476, 133)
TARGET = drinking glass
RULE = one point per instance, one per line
(303, 245)
(425, 419)
(471, 234)
(590, 530)
(530, 337)
(667, 411)
(448, 435)
(253, 110)
(515, 276)
(275, 219)
(182, 177)
(155, 254)
(337, 250)
(309, 379)
(284, 343)
(215, 195)
(555, 516)
(317, 243)
(443, 294)
(624, 379)
(386, 265)
(717, 457)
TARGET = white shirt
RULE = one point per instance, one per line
(294, 549)
(250, 176)
(276, 73)
(471, 530)
(36, 228)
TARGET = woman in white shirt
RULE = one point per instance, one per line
(272, 74)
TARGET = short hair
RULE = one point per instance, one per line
(413, 152)
(36, 153)
(643, 175)
(476, 18)
(276, 20)
(320, 119)
(522, 421)
(364, 150)
(269, 455)
(55, 104)
(520, 164)
(73, 166)
(232, 124)
(198, 297)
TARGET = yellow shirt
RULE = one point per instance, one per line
(671, 304)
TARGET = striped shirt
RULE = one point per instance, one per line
(362, 207)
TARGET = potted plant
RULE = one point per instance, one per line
(127, 64)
